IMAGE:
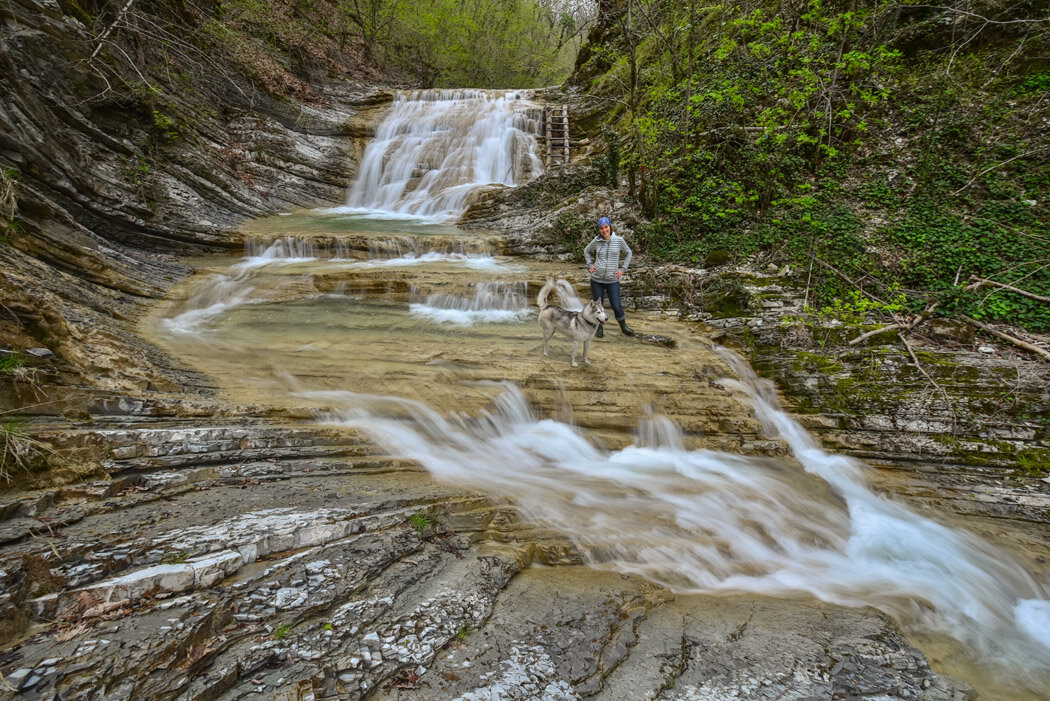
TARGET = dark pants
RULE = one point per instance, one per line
(600, 289)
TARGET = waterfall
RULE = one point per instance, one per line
(436, 146)
(710, 522)
(490, 302)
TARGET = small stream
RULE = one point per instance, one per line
(424, 336)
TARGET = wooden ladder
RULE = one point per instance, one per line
(557, 132)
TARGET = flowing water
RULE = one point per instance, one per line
(436, 146)
(425, 338)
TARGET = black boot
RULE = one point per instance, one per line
(627, 330)
(600, 333)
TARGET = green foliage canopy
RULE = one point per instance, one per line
(436, 43)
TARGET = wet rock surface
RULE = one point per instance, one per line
(332, 572)
(240, 549)
(957, 423)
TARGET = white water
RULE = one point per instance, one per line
(436, 146)
(266, 269)
(492, 302)
(704, 521)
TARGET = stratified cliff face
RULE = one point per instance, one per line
(113, 170)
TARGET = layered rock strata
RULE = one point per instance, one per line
(240, 559)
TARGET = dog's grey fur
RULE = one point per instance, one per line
(579, 326)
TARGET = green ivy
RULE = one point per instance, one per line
(839, 140)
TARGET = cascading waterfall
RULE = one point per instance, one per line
(236, 285)
(490, 302)
(436, 146)
(295, 249)
(430, 152)
(706, 521)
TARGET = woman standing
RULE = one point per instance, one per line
(603, 261)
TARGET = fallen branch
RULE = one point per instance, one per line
(1006, 337)
(977, 282)
(865, 336)
(918, 365)
(999, 165)
(903, 326)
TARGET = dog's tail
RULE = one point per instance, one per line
(545, 292)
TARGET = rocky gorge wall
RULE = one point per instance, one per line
(113, 180)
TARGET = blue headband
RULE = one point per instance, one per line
(604, 221)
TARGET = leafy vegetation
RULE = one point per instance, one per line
(432, 43)
(894, 149)
(10, 363)
(19, 450)
(421, 522)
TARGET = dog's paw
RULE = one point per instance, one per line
(575, 365)
(586, 362)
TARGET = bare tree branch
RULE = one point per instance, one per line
(918, 365)
(980, 17)
(846, 278)
(981, 282)
(999, 165)
(1006, 337)
(102, 38)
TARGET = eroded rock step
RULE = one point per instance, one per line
(236, 558)
(392, 586)
(241, 555)
(128, 563)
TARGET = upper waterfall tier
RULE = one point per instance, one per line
(435, 146)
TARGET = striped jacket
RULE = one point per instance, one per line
(605, 257)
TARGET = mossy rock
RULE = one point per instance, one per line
(717, 257)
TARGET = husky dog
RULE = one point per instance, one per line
(579, 326)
